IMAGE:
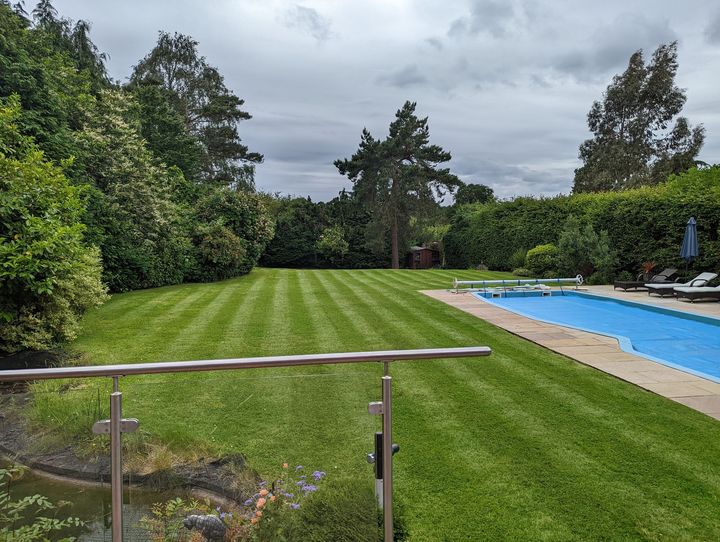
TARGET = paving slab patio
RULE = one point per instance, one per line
(601, 352)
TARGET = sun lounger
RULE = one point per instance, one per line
(664, 277)
(700, 292)
(663, 289)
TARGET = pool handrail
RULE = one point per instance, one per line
(506, 283)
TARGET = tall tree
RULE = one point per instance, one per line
(72, 38)
(398, 176)
(211, 111)
(633, 143)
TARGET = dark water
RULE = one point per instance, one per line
(92, 505)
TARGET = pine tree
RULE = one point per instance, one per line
(398, 176)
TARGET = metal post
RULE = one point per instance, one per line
(387, 457)
(116, 475)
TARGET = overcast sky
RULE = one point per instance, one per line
(506, 84)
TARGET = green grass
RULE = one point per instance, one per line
(523, 445)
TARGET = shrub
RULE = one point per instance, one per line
(231, 231)
(583, 251)
(542, 259)
(517, 259)
(332, 244)
(48, 277)
(522, 272)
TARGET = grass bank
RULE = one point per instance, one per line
(523, 445)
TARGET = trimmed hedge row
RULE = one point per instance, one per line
(645, 224)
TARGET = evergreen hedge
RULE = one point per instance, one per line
(644, 224)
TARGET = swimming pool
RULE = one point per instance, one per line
(682, 340)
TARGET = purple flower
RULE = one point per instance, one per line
(218, 508)
(299, 467)
(318, 475)
(262, 483)
(307, 488)
(288, 495)
(303, 477)
(299, 484)
(248, 502)
(222, 515)
(294, 506)
(256, 495)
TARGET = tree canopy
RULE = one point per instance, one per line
(633, 143)
(104, 186)
(399, 175)
(210, 110)
(474, 193)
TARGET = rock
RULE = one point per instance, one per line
(211, 527)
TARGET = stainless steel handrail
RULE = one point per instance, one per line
(116, 371)
(241, 363)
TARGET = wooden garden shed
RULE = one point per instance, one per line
(423, 258)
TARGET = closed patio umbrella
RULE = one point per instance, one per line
(690, 249)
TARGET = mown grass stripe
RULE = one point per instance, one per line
(523, 445)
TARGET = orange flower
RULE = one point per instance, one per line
(263, 492)
(258, 513)
(254, 521)
(272, 498)
(260, 503)
(285, 465)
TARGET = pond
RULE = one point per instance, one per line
(91, 503)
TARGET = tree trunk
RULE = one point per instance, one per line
(394, 243)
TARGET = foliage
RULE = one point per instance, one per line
(434, 236)
(517, 258)
(522, 272)
(398, 177)
(632, 142)
(474, 193)
(15, 514)
(583, 251)
(644, 224)
(197, 92)
(276, 507)
(299, 223)
(165, 132)
(47, 275)
(332, 244)
(131, 214)
(542, 259)
(50, 85)
(230, 233)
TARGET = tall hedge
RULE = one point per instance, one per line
(645, 224)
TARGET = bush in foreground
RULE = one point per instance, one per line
(47, 275)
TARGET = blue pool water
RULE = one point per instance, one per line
(682, 340)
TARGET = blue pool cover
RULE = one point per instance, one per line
(682, 340)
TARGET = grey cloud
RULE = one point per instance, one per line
(309, 20)
(435, 43)
(509, 101)
(509, 180)
(610, 47)
(408, 76)
(491, 16)
(712, 31)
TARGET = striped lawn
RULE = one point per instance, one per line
(524, 445)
